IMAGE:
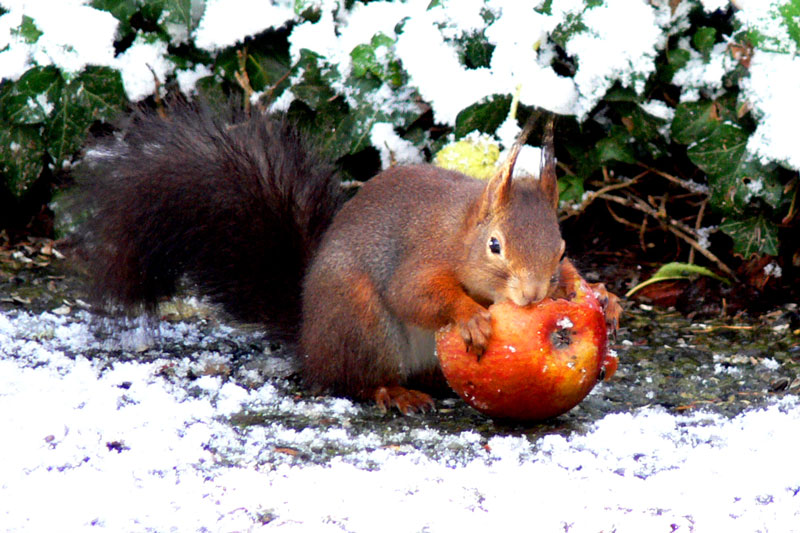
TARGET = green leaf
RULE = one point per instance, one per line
(101, 91)
(364, 60)
(184, 15)
(484, 116)
(733, 193)
(314, 86)
(123, 11)
(621, 94)
(476, 50)
(672, 271)
(615, 147)
(790, 14)
(28, 30)
(677, 58)
(694, 121)
(96, 94)
(721, 152)
(570, 189)
(755, 235)
(307, 9)
(265, 70)
(32, 98)
(704, 39)
(21, 157)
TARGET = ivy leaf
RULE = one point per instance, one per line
(721, 152)
(377, 59)
(703, 40)
(570, 189)
(28, 30)
(314, 86)
(755, 235)
(790, 14)
(122, 10)
(615, 147)
(694, 121)
(364, 60)
(646, 130)
(476, 50)
(677, 58)
(265, 70)
(32, 98)
(96, 94)
(484, 116)
(21, 156)
(182, 17)
(733, 193)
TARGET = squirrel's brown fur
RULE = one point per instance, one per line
(251, 215)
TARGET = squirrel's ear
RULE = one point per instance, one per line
(497, 192)
(548, 182)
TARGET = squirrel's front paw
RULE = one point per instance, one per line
(476, 331)
(612, 309)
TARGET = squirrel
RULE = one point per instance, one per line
(249, 211)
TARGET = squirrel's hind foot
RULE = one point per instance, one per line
(407, 401)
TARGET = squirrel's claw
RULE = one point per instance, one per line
(611, 306)
(407, 401)
(476, 332)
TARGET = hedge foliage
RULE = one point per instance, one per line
(687, 106)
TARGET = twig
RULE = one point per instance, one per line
(688, 185)
(621, 220)
(593, 195)
(676, 227)
(274, 86)
(642, 230)
(160, 108)
(792, 206)
(243, 79)
(698, 225)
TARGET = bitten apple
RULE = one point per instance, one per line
(541, 360)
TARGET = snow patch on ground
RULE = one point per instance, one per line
(95, 441)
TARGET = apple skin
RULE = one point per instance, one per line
(523, 375)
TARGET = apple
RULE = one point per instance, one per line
(540, 362)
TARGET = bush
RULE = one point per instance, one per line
(690, 101)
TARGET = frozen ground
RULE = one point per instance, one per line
(118, 433)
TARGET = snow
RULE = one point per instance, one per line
(187, 78)
(393, 149)
(87, 39)
(144, 66)
(227, 22)
(106, 444)
(606, 53)
(776, 103)
(699, 75)
(74, 35)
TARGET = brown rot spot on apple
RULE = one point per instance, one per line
(540, 360)
(561, 337)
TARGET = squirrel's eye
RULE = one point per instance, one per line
(494, 245)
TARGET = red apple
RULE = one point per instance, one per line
(541, 360)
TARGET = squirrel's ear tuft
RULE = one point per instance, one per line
(498, 190)
(548, 182)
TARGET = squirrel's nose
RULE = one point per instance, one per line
(529, 292)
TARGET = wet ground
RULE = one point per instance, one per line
(723, 366)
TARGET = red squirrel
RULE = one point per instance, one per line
(250, 212)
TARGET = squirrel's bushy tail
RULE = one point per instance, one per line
(237, 207)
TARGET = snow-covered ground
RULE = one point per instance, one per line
(129, 440)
